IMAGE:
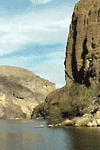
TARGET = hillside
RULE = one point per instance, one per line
(22, 89)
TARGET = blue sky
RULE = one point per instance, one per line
(33, 35)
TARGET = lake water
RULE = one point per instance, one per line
(22, 135)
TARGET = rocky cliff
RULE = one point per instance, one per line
(21, 91)
(82, 62)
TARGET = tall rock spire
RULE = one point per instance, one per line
(82, 62)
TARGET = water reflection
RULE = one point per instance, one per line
(83, 138)
(13, 135)
(22, 135)
(14, 141)
(3, 141)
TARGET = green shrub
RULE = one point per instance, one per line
(74, 102)
(81, 96)
(54, 115)
(97, 89)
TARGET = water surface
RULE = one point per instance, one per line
(22, 135)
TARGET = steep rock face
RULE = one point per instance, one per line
(21, 91)
(82, 62)
(8, 110)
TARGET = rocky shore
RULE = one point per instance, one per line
(86, 121)
(90, 119)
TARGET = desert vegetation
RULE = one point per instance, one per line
(77, 101)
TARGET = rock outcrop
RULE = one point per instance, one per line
(82, 62)
(21, 91)
(53, 98)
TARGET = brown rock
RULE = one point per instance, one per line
(82, 62)
(40, 126)
(67, 122)
(98, 122)
(97, 115)
(8, 110)
(80, 121)
(57, 96)
(21, 91)
(92, 124)
(54, 98)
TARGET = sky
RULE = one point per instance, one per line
(33, 35)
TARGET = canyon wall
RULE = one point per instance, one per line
(82, 62)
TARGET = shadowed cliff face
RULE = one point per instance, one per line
(82, 62)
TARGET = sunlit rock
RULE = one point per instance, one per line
(21, 91)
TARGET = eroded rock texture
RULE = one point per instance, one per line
(82, 62)
(21, 91)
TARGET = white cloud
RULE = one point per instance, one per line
(48, 26)
(40, 1)
(45, 27)
(57, 54)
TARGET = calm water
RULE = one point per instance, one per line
(22, 135)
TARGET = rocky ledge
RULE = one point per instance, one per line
(87, 120)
